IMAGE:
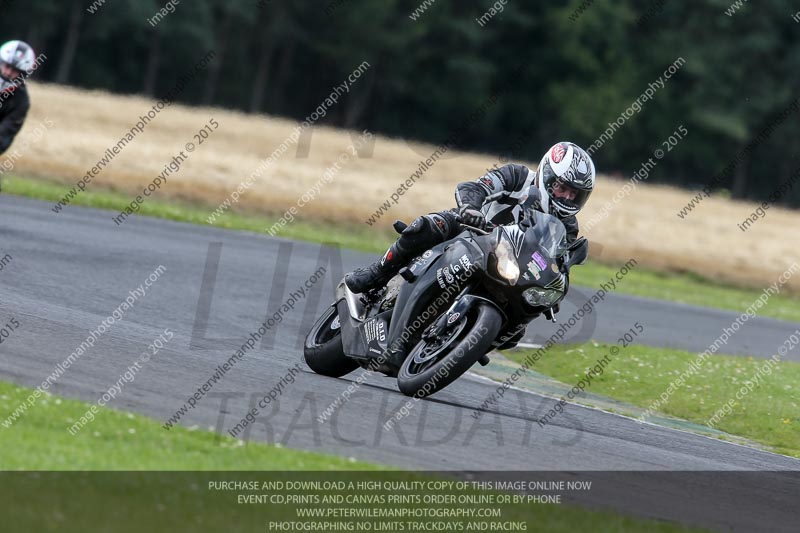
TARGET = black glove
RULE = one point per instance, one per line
(472, 217)
(399, 226)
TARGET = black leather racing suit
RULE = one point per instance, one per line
(513, 185)
(14, 105)
(506, 188)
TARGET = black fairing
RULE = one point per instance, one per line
(539, 243)
(464, 265)
(363, 340)
(434, 274)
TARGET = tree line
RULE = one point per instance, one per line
(585, 66)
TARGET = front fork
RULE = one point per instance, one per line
(458, 310)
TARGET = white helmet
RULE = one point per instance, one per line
(19, 55)
(569, 169)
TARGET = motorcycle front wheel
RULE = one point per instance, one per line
(435, 363)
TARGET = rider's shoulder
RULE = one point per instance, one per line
(516, 169)
(514, 175)
(17, 98)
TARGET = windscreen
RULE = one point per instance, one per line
(548, 231)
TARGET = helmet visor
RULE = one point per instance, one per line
(566, 194)
(9, 71)
(562, 192)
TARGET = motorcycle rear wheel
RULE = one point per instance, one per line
(323, 350)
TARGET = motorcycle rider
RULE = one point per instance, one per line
(17, 61)
(560, 186)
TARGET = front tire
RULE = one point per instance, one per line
(323, 348)
(433, 364)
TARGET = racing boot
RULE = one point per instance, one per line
(425, 232)
(377, 274)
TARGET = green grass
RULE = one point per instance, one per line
(144, 500)
(116, 440)
(686, 288)
(638, 375)
(689, 289)
(354, 237)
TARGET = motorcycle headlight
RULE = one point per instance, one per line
(507, 266)
(539, 297)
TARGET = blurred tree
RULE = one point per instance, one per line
(510, 84)
(70, 45)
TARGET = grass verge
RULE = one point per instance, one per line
(685, 288)
(769, 414)
(116, 440)
(180, 501)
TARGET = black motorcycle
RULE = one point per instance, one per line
(448, 308)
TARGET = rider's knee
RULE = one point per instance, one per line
(443, 224)
(419, 224)
(428, 230)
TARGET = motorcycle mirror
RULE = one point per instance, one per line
(578, 252)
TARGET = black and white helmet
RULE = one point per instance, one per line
(566, 167)
(18, 55)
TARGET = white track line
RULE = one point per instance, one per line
(512, 387)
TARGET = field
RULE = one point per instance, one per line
(69, 130)
(678, 287)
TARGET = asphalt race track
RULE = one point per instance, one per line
(69, 271)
